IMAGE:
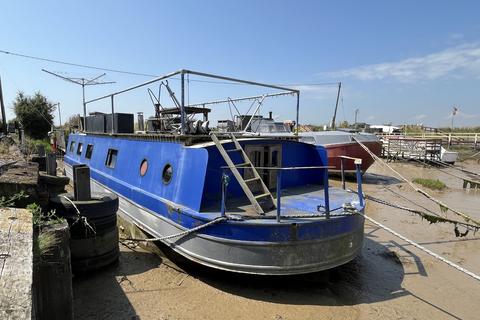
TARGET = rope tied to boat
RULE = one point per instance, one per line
(80, 217)
(432, 218)
(443, 206)
(418, 246)
(180, 234)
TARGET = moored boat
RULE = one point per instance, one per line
(278, 214)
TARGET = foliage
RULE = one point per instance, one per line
(10, 201)
(461, 129)
(35, 113)
(73, 122)
(433, 184)
(31, 146)
(44, 241)
(41, 218)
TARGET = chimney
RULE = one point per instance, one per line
(141, 126)
(270, 115)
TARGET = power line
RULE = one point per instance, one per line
(141, 74)
(76, 64)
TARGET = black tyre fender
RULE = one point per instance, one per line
(100, 226)
(100, 205)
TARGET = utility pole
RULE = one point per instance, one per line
(59, 114)
(83, 82)
(2, 105)
(454, 112)
(336, 106)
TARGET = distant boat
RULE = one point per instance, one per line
(336, 142)
(342, 143)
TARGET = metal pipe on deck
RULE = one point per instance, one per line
(279, 193)
(182, 105)
(326, 193)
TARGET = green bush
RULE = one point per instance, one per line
(433, 184)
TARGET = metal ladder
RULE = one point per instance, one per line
(266, 199)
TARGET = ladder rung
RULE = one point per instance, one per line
(251, 180)
(233, 150)
(243, 164)
(262, 195)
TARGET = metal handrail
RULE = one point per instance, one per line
(358, 172)
(182, 74)
(279, 186)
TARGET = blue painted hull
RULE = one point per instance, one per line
(260, 246)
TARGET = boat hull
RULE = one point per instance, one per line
(253, 257)
(354, 150)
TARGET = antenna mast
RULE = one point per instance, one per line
(83, 82)
(336, 106)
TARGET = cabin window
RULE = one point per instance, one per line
(143, 167)
(111, 158)
(167, 173)
(88, 153)
(80, 148)
(72, 146)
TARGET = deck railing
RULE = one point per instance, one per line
(279, 170)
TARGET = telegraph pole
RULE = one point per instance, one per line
(2, 105)
(83, 82)
(336, 105)
(454, 112)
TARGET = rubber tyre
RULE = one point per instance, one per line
(101, 205)
(100, 226)
(81, 266)
(94, 253)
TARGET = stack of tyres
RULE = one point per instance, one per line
(93, 229)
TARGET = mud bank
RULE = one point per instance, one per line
(390, 280)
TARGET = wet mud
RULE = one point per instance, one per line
(389, 280)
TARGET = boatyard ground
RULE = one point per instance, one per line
(390, 280)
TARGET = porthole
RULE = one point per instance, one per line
(143, 167)
(167, 173)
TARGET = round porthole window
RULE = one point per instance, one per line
(167, 173)
(143, 167)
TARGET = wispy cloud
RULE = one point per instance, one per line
(455, 62)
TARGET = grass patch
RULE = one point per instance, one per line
(433, 184)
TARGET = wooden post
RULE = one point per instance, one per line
(81, 182)
(52, 277)
(51, 164)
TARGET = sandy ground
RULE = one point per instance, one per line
(389, 280)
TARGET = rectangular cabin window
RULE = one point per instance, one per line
(111, 158)
(80, 148)
(88, 153)
(72, 146)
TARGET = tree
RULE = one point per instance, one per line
(35, 114)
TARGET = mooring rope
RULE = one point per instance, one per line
(466, 217)
(432, 218)
(418, 246)
(180, 234)
(80, 216)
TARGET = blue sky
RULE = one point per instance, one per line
(399, 61)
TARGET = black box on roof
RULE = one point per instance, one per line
(123, 123)
(95, 123)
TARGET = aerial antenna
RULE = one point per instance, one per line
(333, 126)
(83, 82)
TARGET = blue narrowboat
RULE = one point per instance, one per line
(266, 200)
